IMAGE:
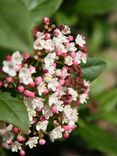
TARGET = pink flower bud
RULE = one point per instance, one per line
(8, 57)
(71, 38)
(9, 79)
(26, 55)
(62, 27)
(66, 135)
(47, 36)
(46, 91)
(29, 93)
(54, 109)
(73, 54)
(42, 118)
(67, 128)
(59, 52)
(64, 55)
(32, 84)
(15, 130)
(38, 80)
(1, 83)
(54, 64)
(75, 63)
(42, 141)
(46, 71)
(22, 153)
(46, 20)
(20, 89)
(56, 32)
(20, 138)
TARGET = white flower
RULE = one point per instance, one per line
(71, 115)
(83, 98)
(17, 58)
(47, 77)
(61, 47)
(41, 88)
(49, 45)
(71, 47)
(80, 40)
(59, 39)
(49, 59)
(40, 35)
(25, 76)
(32, 142)
(9, 68)
(37, 103)
(47, 112)
(16, 146)
(31, 114)
(56, 133)
(53, 99)
(42, 125)
(53, 84)
(73, 93)
(39, 44)
(68, 60)
(66, 30)
(80, 56)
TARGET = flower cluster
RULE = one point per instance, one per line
(50, 83)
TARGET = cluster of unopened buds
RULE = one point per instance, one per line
(51, 84)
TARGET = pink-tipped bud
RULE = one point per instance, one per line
(26, 55)
(29, 93)
(1, 83)
(20, 138)
(64, 55)
(8, 57)
(42, 141)
(54, 109)
(42, 118)
(9, 79)
(67, 128)
(66, 135)
(10, 142)
(20, 89)
(46, 20)
(15, 130)
(38, 80)
(71, 38)
(54, 64)
(75, 63)
(22, 153)
(47, 36)
(56, 32)
(73, 54)
(32, 84)
(46, 91)
(62, 27)
(59, 52)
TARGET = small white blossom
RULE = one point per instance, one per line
(32, 142)
(66, 30)
(37, 103)
(47, 77)
(49, 45)
(41, 88)
(17, 58)
(9, 68)
(47, 112)
(53, 84)
(56, 133)
(83, 98)
(73, 93)
(42, 125)
(68, 60)
(25, 76)
(80, 40)
(71, 47)
(16, 146)
(81, 57)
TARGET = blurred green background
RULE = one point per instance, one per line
(97, 20)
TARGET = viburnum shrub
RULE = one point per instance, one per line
(49, 82)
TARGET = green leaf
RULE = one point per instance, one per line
(15, 26)
(94, 7)
(93, 68)
(97, 138)
(107, 100)
(42, 8)
(111, 117)
(13, 110)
